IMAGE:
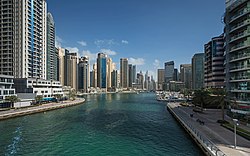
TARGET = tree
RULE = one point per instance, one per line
(72, 94)
(221, 95)
(200, 96)
(39, 98)
(12, 99)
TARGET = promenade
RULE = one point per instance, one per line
(36, 109)
(211, 131)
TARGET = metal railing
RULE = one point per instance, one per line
(205, 142)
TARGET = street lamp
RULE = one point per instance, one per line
(236, 123)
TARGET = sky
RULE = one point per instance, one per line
(147, 32)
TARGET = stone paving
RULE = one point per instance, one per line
(35, 109)
(221, 137)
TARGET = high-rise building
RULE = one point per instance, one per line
(147, 81)
(23, 38)
(176, 74)
(114, 79)
(214, 69)
(140, 80)
(160, 76)
(102, 71)
(134, 74)
(198, 71)
(83, 74)
(130, 75)
(186, 75)
(52, 53)
(124, 72)
(169, 73)
(110, 68)
(237, 52)
(71, 68)
(61, 67)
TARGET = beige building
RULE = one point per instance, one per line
(71, 68)
(61, 55)
(109, 70)
(124, 72)
(160, 76)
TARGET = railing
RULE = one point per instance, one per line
(206, 143)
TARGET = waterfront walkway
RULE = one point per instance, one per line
(36, 109)
(222, 138)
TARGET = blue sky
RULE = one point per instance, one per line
(148, 32)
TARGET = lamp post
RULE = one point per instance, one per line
(236, 123)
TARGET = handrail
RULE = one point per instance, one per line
(209, 145)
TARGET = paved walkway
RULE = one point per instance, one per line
(44, 107)
(221, 137)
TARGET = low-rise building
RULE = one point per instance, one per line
(6, 89)
(46, 88)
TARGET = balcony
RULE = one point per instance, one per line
(239, 78)
(240, 57)
(240, 46)
(241, 13)
(240, 36)
(239, 68)
(239, 25)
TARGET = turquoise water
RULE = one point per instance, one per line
(112, 124)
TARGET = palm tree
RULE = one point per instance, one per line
(220, 99)
(200, 96)
(12, 99)
(72, 94)
(39, 98)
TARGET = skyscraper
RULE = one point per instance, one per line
(71, 68)
(52, 53)
(198, 71)
(214, 69)
(237, 52)
(130, 75)
(160, 76)
(109, 70)
(102, 71)
(114, 79)
(83, 74)
(61, 67)
(186, 75)
(169, 72)
(124, 72)
(23, 45)
(134, 73)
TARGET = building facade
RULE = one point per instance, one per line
(83, 75)
(102, 71)
(23, 38)
(186, 75)
(52, 52)
(214, 63)
(71, 73)
(124, 72)
(198, 71)
(237, 52)
(169, 73)
(45, 88)
(6, 87)
(160, 76)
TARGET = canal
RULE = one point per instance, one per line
(107, 124)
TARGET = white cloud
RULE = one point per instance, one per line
(73, 49)
(92, 56)
(156, 64)
(58, 42)
(105, 43)
(136, 61)
(82, 43)
(124, 41)
(108, 52)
